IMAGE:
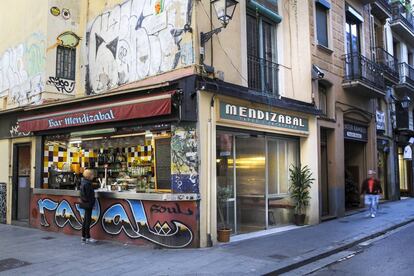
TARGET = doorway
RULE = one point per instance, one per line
(21, 183)
(252, 180)
(324, 184)
(355, 158)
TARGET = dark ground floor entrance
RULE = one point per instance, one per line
(355, 166)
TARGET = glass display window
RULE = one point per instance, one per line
(121, 161)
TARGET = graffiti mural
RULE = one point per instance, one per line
(21, 71)
(62, 85)
(137, 39)
(184, 159)
(169, 224)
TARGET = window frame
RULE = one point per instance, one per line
(261, 21)
(65, 62)
(326, 12)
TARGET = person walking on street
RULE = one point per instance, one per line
(371, 188)
(87, 196)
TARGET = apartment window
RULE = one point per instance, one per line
(65, 63)
(321, 13)
(261, 54)
(323, 98)
(353, 26)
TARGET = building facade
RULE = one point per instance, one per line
(189, 133)
(361, 49)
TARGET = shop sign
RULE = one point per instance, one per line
(131, 109)
(380, 115)
(257, 116)
(355, 132)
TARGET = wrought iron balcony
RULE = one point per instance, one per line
(388, 63)
(263, 75)
(381, 9)
(363, 76)
(406, 84)
(402, 22)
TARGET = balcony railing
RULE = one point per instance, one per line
(386, 4)
(406, 73)
(399, 12)
(263, 75)
(387, 62)
(359, 68)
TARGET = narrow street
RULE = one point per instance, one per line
(390, 254)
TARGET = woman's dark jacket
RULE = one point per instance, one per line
(87, 194)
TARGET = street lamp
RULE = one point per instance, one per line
(405, 102)
(225, 11)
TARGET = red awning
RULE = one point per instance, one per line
(142, 107)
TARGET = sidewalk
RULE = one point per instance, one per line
(55, 253)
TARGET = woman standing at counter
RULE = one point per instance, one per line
(87, 196)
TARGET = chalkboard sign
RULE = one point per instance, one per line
(163, 163)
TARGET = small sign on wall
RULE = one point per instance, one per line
(408, 153)
(355, 132)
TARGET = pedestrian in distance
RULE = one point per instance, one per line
(371, 188)
(87, 196)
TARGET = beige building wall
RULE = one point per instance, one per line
(22, 54)
(341, 104)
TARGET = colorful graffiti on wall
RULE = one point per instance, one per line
(168, 224)
(184, 159)
(137, 39)
(21, 71)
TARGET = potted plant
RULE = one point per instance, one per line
(300, 182)
(223, 230)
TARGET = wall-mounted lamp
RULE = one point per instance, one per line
(225, 11)
(405, 102)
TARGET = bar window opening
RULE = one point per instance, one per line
(121, 160)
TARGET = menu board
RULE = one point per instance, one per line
(163, 163)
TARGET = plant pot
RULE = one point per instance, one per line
(223, 235)
(299, 219)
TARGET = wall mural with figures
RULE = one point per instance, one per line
(137, 39)
(184, 159)
(22, 71)
(168, 224)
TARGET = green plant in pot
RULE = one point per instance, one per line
(300, 183)
(223, 230)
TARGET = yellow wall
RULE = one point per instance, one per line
(227, 51)
(4, 172)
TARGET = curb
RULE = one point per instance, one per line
(335, 250)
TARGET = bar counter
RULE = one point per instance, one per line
(151, 196)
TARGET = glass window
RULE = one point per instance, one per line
(261, 54)
(282, 154)
(121, 161)
(321, 14)
(352, 34)
(65, 63)
(225, 181)
(323, 98)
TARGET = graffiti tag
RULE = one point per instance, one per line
(155, 208)
(15, 132)
(62, 85)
